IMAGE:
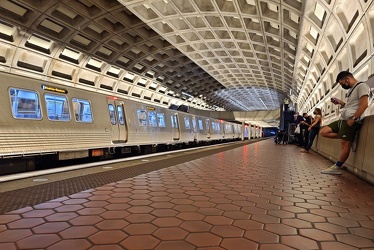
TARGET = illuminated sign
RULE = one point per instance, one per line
(150, 108)
(54, 89)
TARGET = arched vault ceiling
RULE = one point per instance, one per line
(232, 54)
(251, 98)
(246, 45)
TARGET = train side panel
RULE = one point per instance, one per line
(228, 130)
(201, 132)
(237, 131)
(148, 124)
(186, 128)
(42, 133)
(217, 133)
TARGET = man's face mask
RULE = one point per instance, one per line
(343, 85)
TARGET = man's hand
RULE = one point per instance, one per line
(335, 100)
(350, 122)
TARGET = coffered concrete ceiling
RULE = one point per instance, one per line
(247, 46)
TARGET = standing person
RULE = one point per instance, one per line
(345, 128)
(304, 125)
(298, 119)
(313, 129)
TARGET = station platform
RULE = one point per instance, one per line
(250, 195)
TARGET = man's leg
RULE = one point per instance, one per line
(300, 138)
(346, 149)
(306, 138)
(328, 133)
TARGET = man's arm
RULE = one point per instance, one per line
(363, 104)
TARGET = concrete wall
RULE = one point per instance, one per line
(360, 162)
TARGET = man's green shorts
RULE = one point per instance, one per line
(344, 131)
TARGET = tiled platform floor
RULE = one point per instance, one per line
(260, 196)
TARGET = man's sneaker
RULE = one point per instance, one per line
(332, 170)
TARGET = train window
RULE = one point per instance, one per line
(112, 114)
(228, 128)
(142, 117)
(187, 122)
(25, 104)
(82, 110)
(218, 126)
(161, 120)
(213, 126)
(121, 115)
(201, 127)
(57, 107)
(152, 118)
(174, 121)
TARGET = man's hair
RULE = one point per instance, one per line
(342, 75)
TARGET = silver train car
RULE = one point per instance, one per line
(41, 121)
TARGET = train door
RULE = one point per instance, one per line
(223, 129)
(175, 125)
(118, 121)
(208, 129)
(194, 127)
(246, 132)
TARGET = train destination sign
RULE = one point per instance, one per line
(54, 89)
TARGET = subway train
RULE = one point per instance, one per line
(45, 122)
